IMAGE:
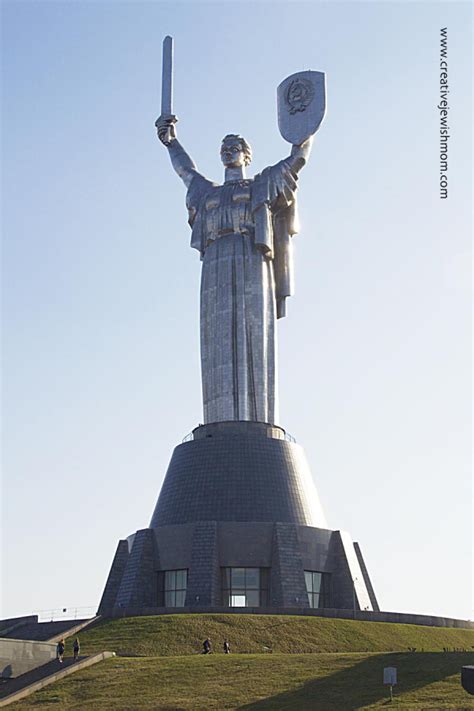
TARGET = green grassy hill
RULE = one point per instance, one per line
(172, 635)
(318, 664)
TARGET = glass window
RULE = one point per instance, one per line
(181, 576)
(238, 577)
(238, 600)
(180, 598)
(170, 598)
(245, 587)
(172, 585)
(264, 587)
(252, 578)
(318, 588)
(170, 580)
(253, 598)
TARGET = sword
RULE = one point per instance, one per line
(167, 82)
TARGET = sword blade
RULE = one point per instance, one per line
(167, 77)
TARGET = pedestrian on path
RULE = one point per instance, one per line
(226, 647)
(60, 647)
(76, 648)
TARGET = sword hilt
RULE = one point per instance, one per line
(165, 135)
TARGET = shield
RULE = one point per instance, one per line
(301, 100)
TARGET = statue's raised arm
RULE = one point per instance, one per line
(299, 154)
(181, 161)
(275, 217)
(166, 122)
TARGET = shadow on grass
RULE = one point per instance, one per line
(361, 684)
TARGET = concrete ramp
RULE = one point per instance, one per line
(15, 689)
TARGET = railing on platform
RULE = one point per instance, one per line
(190, 436)
(65, 613)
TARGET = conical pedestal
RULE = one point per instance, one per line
(238, 471)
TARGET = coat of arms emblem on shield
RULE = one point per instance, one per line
(299, 95)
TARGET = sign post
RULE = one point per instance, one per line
(390, 678)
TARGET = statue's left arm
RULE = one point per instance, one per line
(275, 216)
(275, 191)
(299, 155)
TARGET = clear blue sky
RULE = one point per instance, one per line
(101, 371)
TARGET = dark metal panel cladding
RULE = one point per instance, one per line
(243, 472)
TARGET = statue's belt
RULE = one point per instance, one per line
(244, 232)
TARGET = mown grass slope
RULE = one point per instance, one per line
(175, 635)
(272, 682)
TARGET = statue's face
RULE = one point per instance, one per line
(232, 153)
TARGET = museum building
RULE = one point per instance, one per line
(237, 524)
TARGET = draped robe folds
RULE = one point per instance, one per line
(243, 232)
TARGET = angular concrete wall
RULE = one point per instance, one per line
(117, 570)
(203, 574)
(367, 580)
(138, 586)
(203, 548)
(287, 583)
(19, 656)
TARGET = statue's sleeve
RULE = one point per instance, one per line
(282, 181)
(198, 189)
(275, 191)
(276, 221)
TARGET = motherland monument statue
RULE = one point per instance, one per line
(238, 522)
(243, 231)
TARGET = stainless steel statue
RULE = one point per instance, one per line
(243, 231)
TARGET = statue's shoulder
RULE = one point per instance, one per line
(272, 170)
(198, 188)
(200, 181)
(274, 182)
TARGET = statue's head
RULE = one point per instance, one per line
(235, 151)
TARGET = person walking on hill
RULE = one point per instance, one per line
(76, 648)
(226, 647)
(60, 647)
(206, 646)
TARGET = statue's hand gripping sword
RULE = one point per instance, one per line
(167, 116)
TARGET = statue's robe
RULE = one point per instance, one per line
(243, 231)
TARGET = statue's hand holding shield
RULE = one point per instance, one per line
(301, 100)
